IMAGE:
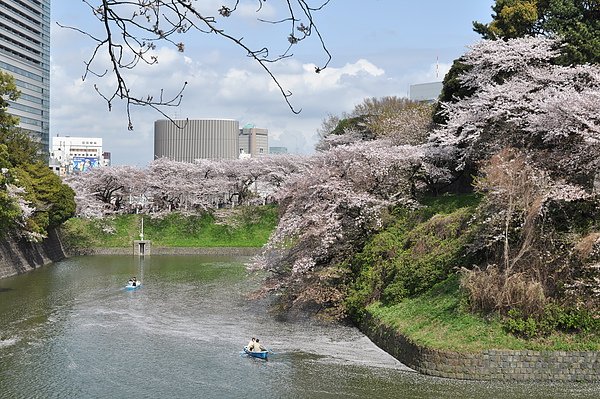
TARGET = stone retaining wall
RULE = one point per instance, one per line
(502, 365)
(171, 251)
(18, 255)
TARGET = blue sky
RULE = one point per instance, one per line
(378, 50)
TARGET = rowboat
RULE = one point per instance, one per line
(260, 355)
(133, 287)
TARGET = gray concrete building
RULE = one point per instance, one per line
(278, 150)
(428, 92)
(254, 141)
(25, 54)
(188, 140)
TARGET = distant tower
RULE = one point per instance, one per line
(25, 54)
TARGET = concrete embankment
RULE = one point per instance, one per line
(498, 365)
(17, 255)
(241, 251)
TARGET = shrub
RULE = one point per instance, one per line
(415, 252)
(554, 318)
(492, 290)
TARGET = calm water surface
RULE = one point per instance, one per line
(70, 330)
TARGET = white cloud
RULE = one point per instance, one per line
(224, 83)
(244, 92)
(250, 10)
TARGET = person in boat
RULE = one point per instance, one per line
(134, 283)
(251, 344)
(130, 282)
(257, 347)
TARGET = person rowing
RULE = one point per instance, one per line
(257, 347)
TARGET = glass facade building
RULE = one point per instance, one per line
(25, 54)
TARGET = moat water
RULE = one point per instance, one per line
(71, 330)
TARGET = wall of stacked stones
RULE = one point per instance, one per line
(500, 365)
(233, 251)
(17, 255)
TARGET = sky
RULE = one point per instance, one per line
(378, 48)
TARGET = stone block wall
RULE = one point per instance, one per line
(500, 365)
(230, 251)
(18, 255)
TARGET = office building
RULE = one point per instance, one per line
(25, 54)
(428, 92)
(278, 150)
(254, 141)
(77, 154)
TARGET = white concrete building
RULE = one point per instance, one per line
(77, 154)
(428, 92)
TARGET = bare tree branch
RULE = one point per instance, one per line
(133, 29)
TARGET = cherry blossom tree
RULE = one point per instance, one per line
(400, 120)
(522, 100)
(528, 127)
(174, 185)
(170, 186)
(328, 211)
(103, 191)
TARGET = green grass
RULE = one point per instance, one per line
(436, 320)
(239, 227)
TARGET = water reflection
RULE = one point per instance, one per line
(71, 330)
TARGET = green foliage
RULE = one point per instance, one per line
(577, 22)
(240, 227)
(554, 318)
(419, 249)
(51, 196)
(22, 150)
(452, 89)
(53, 201)
(439, 319)
(512, 19)
(9, 211)
(24, 166)
(520, 326)
(358, 123)
(8, 91)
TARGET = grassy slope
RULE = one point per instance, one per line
(438, 319)
(241, 227)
